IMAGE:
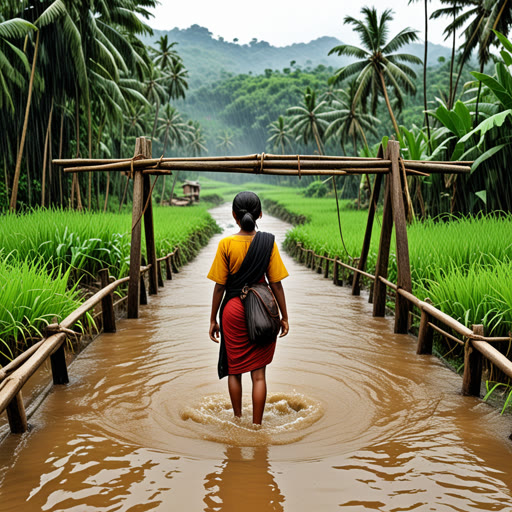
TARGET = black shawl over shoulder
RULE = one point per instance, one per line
(253, 268)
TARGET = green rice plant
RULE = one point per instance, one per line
(491, 390)
(85, 242)
(31, 297)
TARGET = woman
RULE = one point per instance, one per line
(237, 354)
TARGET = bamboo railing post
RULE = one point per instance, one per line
(402, 247)
(143, 294)
(59, 366)
(300, 257)
(168, 270)
(425, 335)
(107, 305)
(160, 276)
(16, 415)
(134, 291)
(319, 269)
(473, 359)
(326, 270)
(173, 262)
(149, 230)
(372, 208)
(381, 267)
(335, 273)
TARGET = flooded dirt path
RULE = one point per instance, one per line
(356, 420)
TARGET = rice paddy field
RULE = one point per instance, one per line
(46, 256)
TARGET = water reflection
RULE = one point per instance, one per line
(244, 481)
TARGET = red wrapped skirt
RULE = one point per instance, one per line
(243, 356)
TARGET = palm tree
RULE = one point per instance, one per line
(9, 54)
(225, 142)
(173, 128)
(379, 66)
(280, 134)
(164, 54)
(425, 57)
(196, 144)
(451, 30)
(176, 78)
(92, 42)
(347, 121)
(306, 120)
(176, 131)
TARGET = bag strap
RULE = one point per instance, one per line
(256, 261)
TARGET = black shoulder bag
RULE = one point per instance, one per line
(253, 267)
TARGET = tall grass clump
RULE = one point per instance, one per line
(85, 242)
(31, 297)
(81, 242)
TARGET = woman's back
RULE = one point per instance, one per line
(231, 253)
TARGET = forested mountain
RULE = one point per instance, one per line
(208, 58)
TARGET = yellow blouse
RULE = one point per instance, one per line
(230, 254)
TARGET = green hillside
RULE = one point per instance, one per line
(208, 59)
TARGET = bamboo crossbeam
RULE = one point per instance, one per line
(18, 361)
(79, 162)
(445, 333)
(253, 165)
(458, 162)
(427, 166)
(272, 167)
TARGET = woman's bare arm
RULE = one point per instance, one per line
(218, 293)
(278, 291)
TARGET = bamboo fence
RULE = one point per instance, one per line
(475, 343)
(142, 166)
(14, 375)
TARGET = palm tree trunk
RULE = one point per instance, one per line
(172, 189)
(464, 56)
(16, 181)
(166, 138)
(318, 140)
(425, 78)
(388, 104)
(75, 185)
(106, 193)
(156, 118)
(61, 138)
(450, 93)
(89, 145)
(45, 155)
(482, 64)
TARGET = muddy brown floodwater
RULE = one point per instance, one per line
(355, 419)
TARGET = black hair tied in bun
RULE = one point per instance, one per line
(247, 208)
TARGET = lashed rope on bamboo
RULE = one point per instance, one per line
(150, 195)
(52, 329)
(262, 159)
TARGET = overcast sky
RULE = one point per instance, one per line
(283, 22)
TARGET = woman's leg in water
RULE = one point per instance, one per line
(259, 394)
(235, 393)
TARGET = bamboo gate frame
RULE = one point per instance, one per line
(142, 166)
